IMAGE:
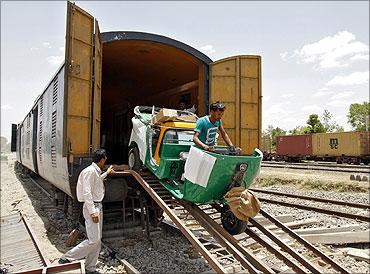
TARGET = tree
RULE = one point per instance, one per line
(328, 123)
(273, 133)
(5, 146)
(314, 124)
(300, 130)
(358, 116)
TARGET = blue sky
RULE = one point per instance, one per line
(315, 55)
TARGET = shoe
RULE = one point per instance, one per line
(64, 261)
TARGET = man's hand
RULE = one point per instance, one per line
(95, 217)
(209, 148)
(110, 169)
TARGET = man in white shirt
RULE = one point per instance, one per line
(90, 191)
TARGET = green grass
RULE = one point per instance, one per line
(314, 184)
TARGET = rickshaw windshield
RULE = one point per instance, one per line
(181, 137)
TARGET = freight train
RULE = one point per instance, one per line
(342, 147)
(90, 100)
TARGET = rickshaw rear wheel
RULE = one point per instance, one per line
(134, 161)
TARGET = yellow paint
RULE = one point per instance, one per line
(236, 81)
(164, 127)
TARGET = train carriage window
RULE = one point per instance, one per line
(55, 91)
(40, 141)
(53, 137)
(41, 105)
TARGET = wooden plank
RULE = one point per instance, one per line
(359, 254)
(339, 237)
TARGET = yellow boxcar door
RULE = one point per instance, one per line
(236, 81)
(78, 81)
(97, 87)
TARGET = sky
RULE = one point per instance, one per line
(315, 55)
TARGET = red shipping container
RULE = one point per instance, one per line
(294, 145)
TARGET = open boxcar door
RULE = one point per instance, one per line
(98, 54)
(236, 81)
(81, 123)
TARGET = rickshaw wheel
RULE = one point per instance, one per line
(231, 223)
(134, 161)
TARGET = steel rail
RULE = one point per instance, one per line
(307, 244)
(41, 188)
(318, 209)
(306, 263)
(228, 241)
(34, 240)
(317, 164)
(297, 268)
(186, 232)
(310, 198)
(322, 168)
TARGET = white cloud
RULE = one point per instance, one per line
(287, 95)
(355, 78)
(360, 57)
(323, 89)
(266, 98)
(341, 95)
(46, 45)
(34, 48)
(55, 60)
(283, 56)
(277, 109)
(61, 49)
(208, 49)
(338, 103)
(311, 108)
(6, 107)
(322, 93)
(332, 51)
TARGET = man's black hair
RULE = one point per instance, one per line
(217, 105)
(98, 155)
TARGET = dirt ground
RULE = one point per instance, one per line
(20, 195)
(311, 179)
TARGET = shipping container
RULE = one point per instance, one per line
(341, 144)
(89, 102)
(294, 147)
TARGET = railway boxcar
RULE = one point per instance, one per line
(293, 147)
(90, 100)
(351, 147)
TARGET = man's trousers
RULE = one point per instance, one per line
(89, 248)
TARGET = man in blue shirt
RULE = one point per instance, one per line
(207, 126)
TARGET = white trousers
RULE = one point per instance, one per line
(89, 248)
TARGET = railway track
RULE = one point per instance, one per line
(323, 167)
(201, 225)
(226, 253)
(321, 209)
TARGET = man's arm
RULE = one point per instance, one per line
(225, 136)
(109, 170)
(199, 142)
